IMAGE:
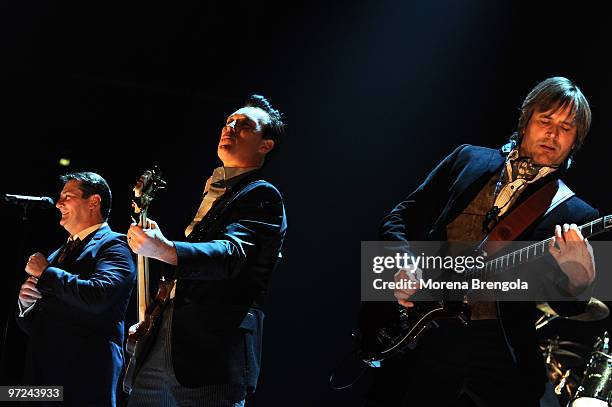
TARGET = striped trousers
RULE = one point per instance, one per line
(156, 384)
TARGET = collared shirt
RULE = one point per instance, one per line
(86, 232)
(80, 236)
(217, 184)
(519, 173)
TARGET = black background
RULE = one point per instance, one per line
(375, 93)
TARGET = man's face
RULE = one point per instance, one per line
(549, 136)
(241, 143)
(78, 213)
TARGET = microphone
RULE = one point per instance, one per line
(40, 201)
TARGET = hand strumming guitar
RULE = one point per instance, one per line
(403, 295)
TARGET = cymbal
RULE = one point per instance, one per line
(556, 343)
(595, 310)
(565, 357)
(545, 308)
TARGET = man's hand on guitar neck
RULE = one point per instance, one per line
(574, 255)
(402, 295)
(150, 242)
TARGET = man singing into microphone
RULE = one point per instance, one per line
(73, 303)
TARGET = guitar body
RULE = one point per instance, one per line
(139, 342)
(387, 329)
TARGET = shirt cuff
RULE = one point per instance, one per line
(24, 311)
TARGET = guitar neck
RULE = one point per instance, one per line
(536, 250)
(144, 192)
(142, 279)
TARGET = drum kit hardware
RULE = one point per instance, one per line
(595, 311)
(565, 360)
(564, 357)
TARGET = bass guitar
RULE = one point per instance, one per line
(149, 310)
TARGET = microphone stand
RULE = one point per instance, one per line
(21, 245)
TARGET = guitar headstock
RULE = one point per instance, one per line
(144, 191)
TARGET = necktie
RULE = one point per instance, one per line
(68, 248)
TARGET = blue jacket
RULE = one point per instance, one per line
(76, 329)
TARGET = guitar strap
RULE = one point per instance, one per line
(542, 202)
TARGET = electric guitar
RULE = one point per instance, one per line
(387, 328)
(139, 342)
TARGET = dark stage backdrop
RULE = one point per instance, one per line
(375, 94)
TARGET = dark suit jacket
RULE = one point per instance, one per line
(76, 329)
(447, 190)
(222, 276)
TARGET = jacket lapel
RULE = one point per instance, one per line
(52, 259)
(90, 241)
(222, 202)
